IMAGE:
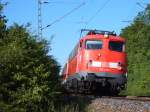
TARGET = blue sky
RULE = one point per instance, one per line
(67, 31)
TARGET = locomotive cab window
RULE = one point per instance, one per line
(94, 44)
(116, 46)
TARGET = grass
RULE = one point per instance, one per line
(73, 104)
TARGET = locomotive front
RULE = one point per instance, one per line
(100, 63)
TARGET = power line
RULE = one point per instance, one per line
(98, 11)
(127, 21)
(139, 4)
(63, 2)
(67, 14)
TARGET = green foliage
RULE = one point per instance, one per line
(138, 50)
(2, 22)
(29, 76)
(74, 104)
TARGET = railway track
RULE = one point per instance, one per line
(120, 104)
(91, 97)
(145, 99)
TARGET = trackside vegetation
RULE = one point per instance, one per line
(138, 51)
(29, 74)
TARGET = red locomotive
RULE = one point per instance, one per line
(97, 61)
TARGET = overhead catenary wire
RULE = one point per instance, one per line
(63, 2)
(65, 15)
(140, 5)
(98, 11)
(129, 13)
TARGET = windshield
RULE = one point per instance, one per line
(93, 44)
(116, 46)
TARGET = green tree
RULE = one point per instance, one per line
(29, 75)
(138, 50)
(2, 23)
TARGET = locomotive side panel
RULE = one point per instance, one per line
(72, 66)
(72, 63)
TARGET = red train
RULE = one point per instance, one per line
(97, 63)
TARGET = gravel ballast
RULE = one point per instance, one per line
(118, 105)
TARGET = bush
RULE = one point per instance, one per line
(29, 75)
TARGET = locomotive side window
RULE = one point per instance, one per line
(116, 46)
(94, 44)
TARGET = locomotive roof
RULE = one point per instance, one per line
(100, 34)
